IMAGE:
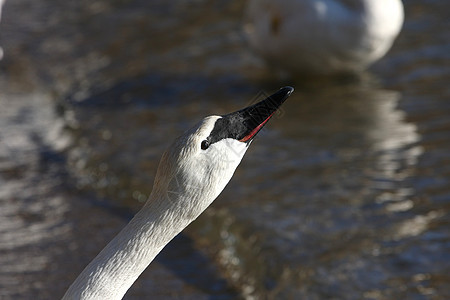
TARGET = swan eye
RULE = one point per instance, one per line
(205, 144)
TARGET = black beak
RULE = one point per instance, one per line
(244, 124)
(256, 116)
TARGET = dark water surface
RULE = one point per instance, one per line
(345, 195)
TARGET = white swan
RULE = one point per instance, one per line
(192, 173)
(323, 36)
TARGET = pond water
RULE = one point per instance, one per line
(344, 195)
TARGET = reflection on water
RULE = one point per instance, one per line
(345, 195)
(394, 140)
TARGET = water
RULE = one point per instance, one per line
(345, 195)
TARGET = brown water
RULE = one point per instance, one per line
(345, 195)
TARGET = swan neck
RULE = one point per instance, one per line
(120, 263)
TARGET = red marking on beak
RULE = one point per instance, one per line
(256, 130)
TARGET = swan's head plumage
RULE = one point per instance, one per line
(197, 166)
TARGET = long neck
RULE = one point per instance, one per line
(120, 263)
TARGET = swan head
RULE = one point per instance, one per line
(197, 165)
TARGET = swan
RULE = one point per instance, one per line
(192, 172)
(323, 36)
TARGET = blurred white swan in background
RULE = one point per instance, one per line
(192, 173)
(323, 36)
